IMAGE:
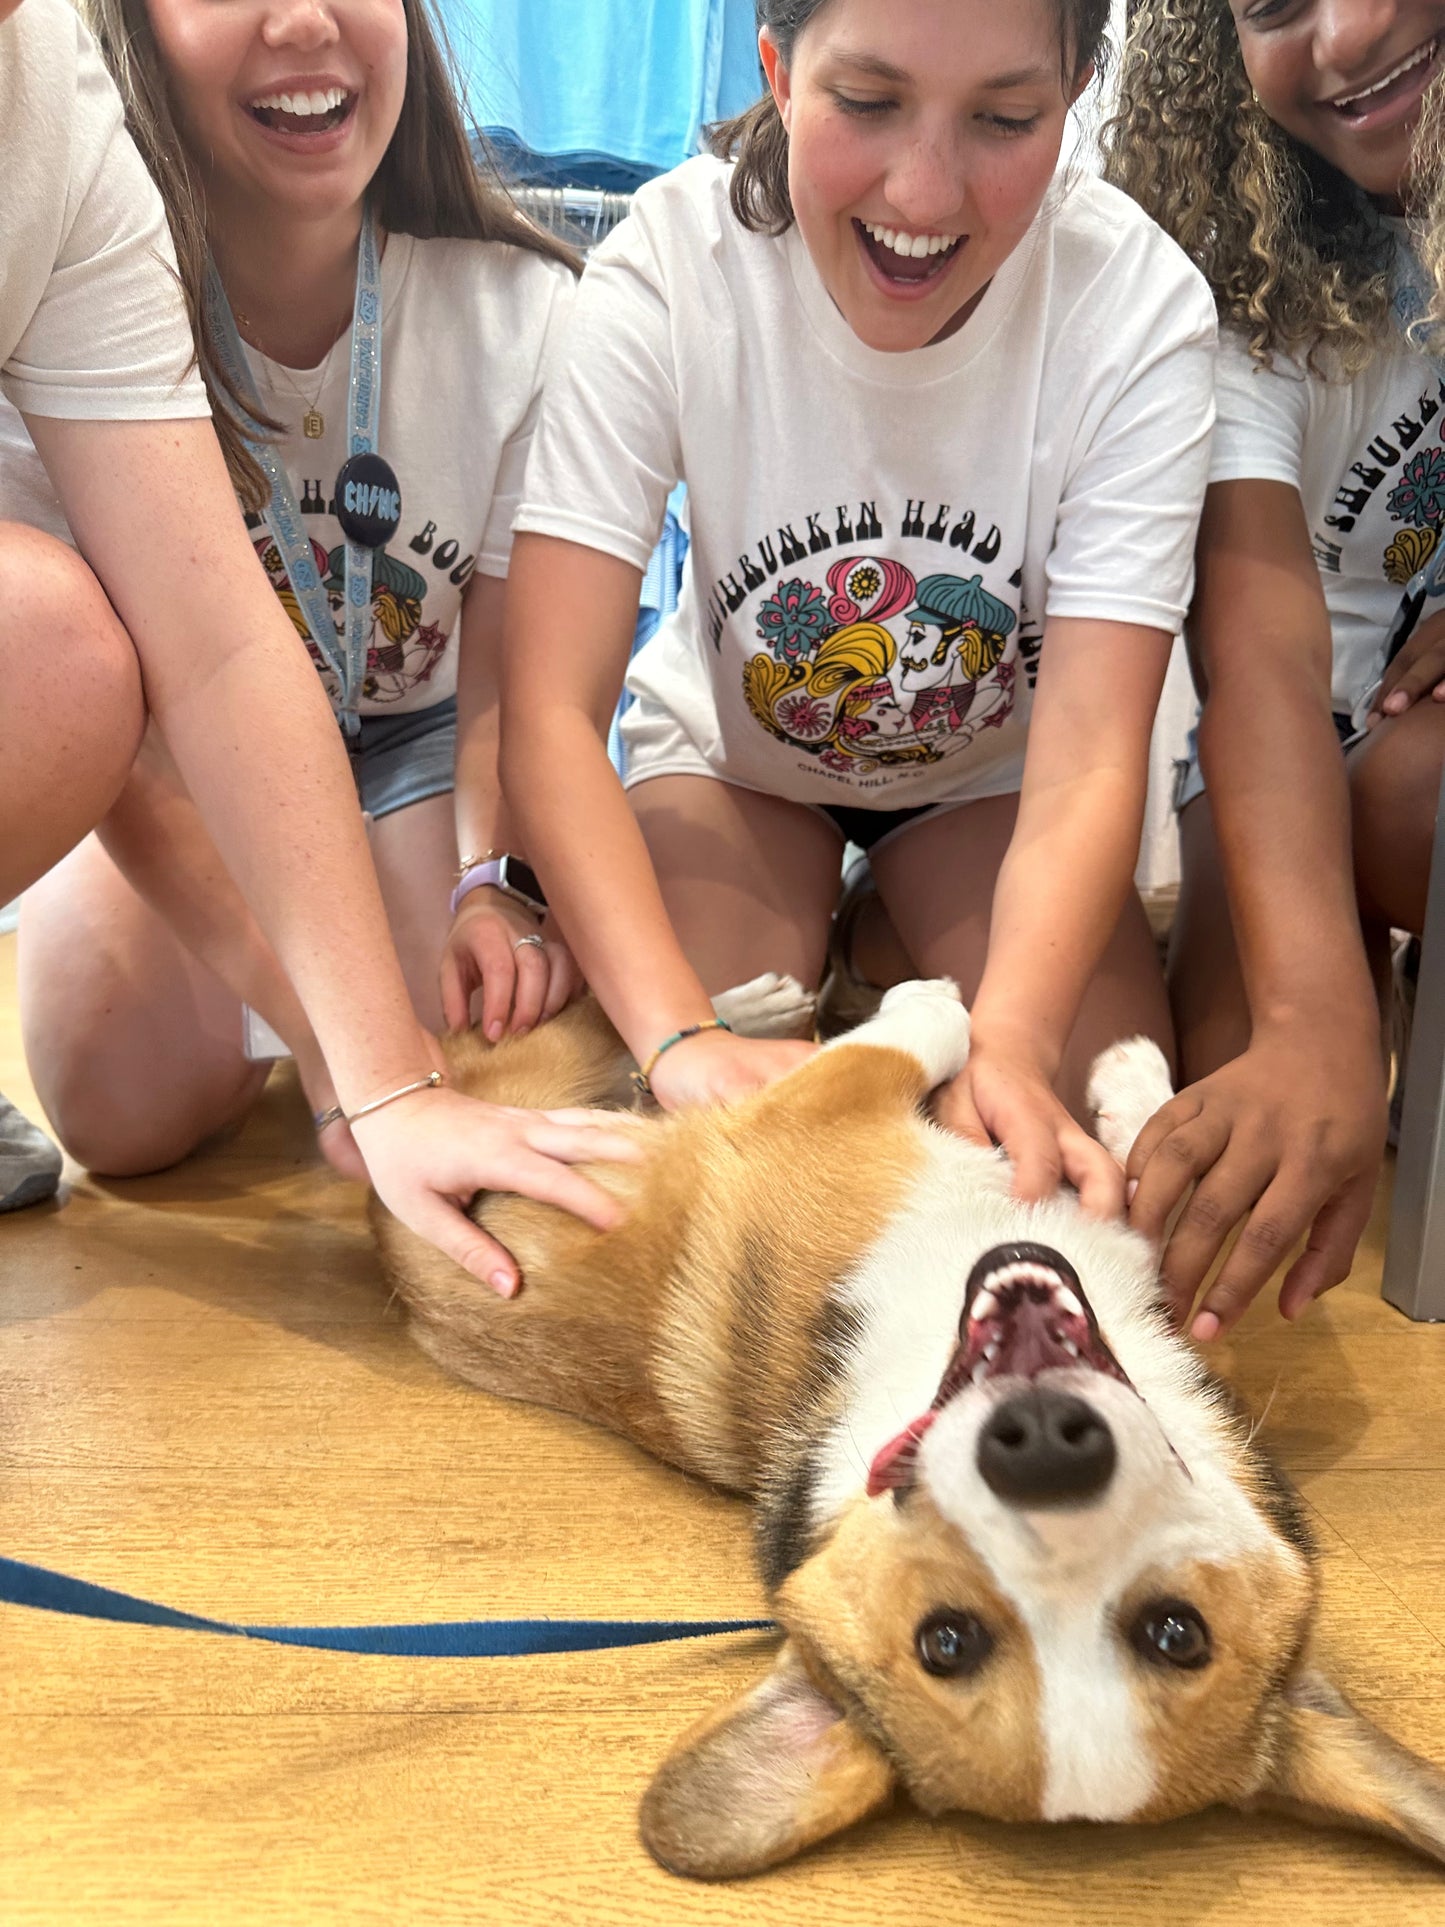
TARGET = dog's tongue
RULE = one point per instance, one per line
(892, 1466)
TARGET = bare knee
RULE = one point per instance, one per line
(74, 711)
(1394, 794)
(129, 1085)
(48, 589)
(121, 1130)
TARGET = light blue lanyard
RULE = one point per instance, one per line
(283, 518)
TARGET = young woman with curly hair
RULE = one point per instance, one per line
(1292, 148)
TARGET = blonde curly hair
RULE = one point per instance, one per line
(1297, 258)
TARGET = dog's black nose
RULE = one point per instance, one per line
(1043, 1448)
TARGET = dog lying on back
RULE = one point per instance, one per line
(1026, 1561)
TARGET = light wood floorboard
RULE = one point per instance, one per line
(204, 1398)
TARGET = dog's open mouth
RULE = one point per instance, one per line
(1024, 1313)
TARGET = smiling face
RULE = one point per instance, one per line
(1345, 77)
(922, 137)
(286, 102)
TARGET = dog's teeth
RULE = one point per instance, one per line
(993, 1348)
(985, 1304)
(980, 1371)
(1070, 1347)
(1067, 1302)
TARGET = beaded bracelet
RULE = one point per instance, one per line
(640, 1078)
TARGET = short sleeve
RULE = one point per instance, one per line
(1128, 515)
(606, 456)
(1263, 413)
(496, 549)
(109, 338)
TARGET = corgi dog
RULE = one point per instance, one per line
(1024, 1557)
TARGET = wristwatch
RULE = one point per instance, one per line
(510, 875)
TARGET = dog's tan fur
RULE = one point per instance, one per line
(710, 1328)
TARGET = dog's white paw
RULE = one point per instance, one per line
(1127, 1085)
(919, 989)
(769, 1006)
(925, 1018)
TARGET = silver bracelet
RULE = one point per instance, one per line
(421, 1084)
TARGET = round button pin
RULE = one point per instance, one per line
(368, 500)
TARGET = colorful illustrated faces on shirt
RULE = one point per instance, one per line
(922, 135)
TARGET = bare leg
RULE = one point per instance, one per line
(1394, 788)
(749, 880)
(132, 1018)
(73, 713)
(415, 852)
(936, 879)
(1206, 987)
(133, 1044)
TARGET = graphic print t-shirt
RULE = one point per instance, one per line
(1367, 458)
(466, 327)
(877, 539)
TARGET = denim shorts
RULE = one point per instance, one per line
(1189, 777)
(400, 760)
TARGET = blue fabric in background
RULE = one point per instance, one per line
(661, 586)
(632, 81)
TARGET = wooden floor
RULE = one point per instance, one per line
(204, 1399)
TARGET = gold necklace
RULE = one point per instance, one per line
(313, 422)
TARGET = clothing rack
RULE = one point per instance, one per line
(580, 216)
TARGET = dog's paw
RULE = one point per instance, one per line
(920, 988)
(1127, 1085)
(769, 1006)
(927, 1019)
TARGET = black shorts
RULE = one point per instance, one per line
(867, 827)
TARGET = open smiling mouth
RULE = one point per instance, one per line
(1403, 82)
(318, 112)
(1024, 1313)
(907, 260)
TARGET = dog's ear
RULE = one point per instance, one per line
(761, 1779)
(1336, 1767)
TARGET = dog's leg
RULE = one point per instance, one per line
(923, 1018)
(1127, 1085)
(769, 1006)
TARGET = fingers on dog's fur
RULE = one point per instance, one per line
(575, 1061)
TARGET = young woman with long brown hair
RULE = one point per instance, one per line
(276, 130)
(943, 420)
(161, 613)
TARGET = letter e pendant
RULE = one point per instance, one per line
(313, 424)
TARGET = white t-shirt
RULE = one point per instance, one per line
(92, 323)
(1367, 459)
(877, 539)
(464, 335)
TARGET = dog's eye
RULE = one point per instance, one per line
(1169, 1633)
(953, 1642)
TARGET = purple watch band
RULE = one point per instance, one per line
(479, 875)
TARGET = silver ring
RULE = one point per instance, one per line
(523, 942)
